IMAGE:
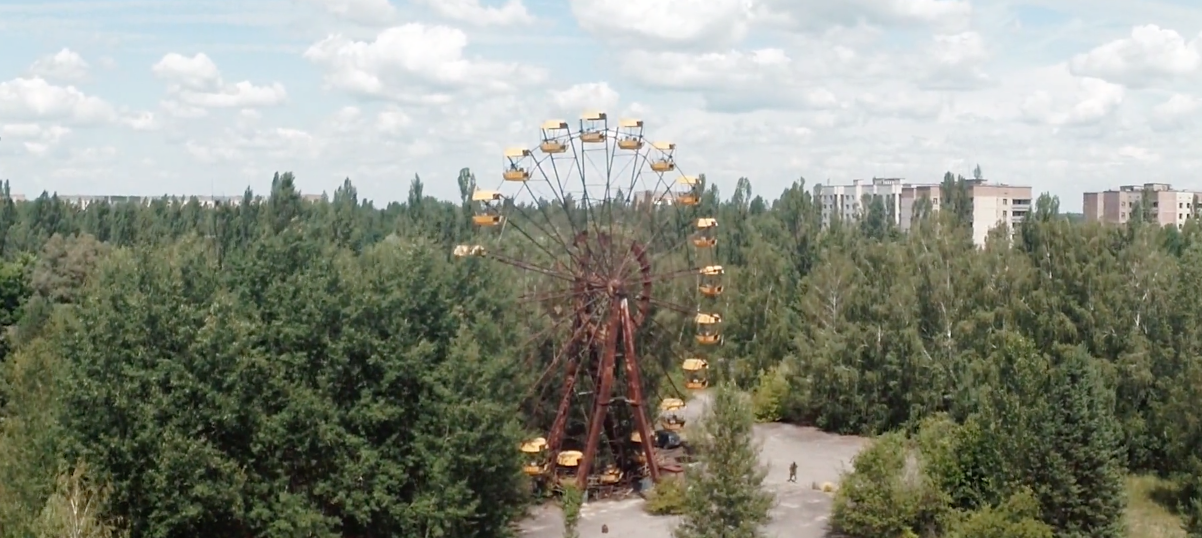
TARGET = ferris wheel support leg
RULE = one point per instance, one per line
(601, 401)
(635, 382)
(561, 414)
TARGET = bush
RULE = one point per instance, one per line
(888, 494)
(1018, 517)
(768, 400)
(667, 499)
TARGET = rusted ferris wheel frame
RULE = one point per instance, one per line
(609, 283)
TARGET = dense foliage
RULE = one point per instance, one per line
(283, 368)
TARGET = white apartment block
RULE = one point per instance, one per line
(992, 204)
(846, 201)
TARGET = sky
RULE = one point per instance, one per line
(199, 97)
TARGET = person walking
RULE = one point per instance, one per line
(793, 472)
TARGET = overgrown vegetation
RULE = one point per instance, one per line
(668, 497)
(283, 368)
(724, 495)
(571, 500)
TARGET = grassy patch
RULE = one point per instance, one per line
(1150, 509)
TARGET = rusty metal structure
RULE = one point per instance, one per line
(598, 213)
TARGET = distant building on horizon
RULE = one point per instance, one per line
(84, 200)
(1160, 201)
(992, 203)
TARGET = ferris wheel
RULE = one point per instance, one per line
(610, 239)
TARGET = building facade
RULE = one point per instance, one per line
(995, 204)
(1165, 205)
(847, 201)
(992, 204)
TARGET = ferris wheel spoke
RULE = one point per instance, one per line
(581, 159)
(561, 194)
(537, 244)
(563, 351)
(658, 231)
(664, 373)
(551, 223)
(526, 266)
(539, 297)
(672, 306)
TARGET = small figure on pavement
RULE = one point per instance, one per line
(793, 472)
(604, 529)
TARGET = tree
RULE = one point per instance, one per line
(725, 497)
(77, 508)
(1078, 473)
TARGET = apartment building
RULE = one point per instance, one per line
(1165, 205)
(846, 201)
(992, 204)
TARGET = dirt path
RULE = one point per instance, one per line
(801, 512)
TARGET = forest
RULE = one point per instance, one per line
(283, 368)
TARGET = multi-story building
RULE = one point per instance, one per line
(847, 201)
(1164, 205)
(992, 204)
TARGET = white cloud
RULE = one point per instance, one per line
(736, 80)
(195, 84)
(909, 105)
(587, 96)
(707, 24)
(956, 62)
(367, 12)
(36, 139)
(945, 15)
(1149, 55)
(64, 65)
(1139, 154)
(1094, 101)
(415, 63)
(1175, 113)
(241, 144)
(36, 99)
(141, 121)
(471, 12)
(393, 121)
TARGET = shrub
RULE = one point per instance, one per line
(769, 397)
(888, 494)
(667, 499)
(1018, 517)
